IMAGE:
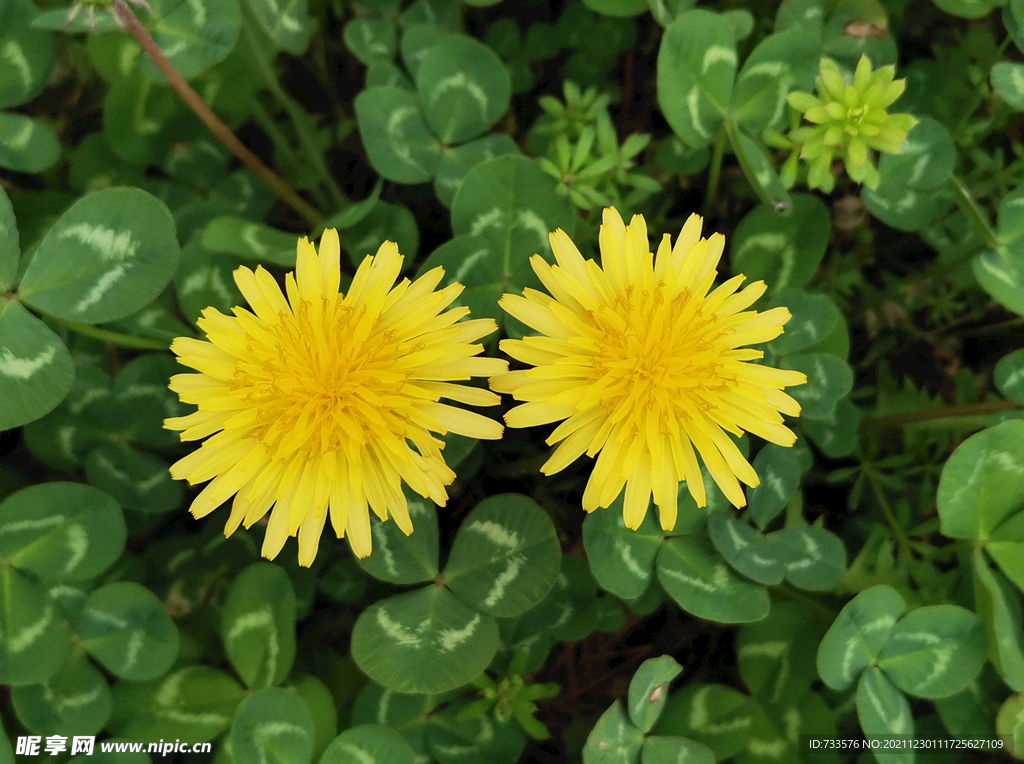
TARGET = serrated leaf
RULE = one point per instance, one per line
(125, 627)
(36, 370)
(648, 690)
(858, 635)
(272, 726)
(621, 559)
(934, 651)
(33, 642)
(110, 254)
(464, 88)
(76, 700)
(394, 130)
(505, 557)
(402, 559)
(258, 625)
(423, 641)
(702, 584)
(696, 66)
(61, 531)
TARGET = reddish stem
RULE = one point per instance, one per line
(276, 184)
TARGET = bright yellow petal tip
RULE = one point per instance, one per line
(317, 405)
(644, 366)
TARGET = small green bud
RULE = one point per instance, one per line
(848, 120)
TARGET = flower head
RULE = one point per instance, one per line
(323, 403)
(645, 367)
(849, 121)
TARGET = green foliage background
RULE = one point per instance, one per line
(871, 586)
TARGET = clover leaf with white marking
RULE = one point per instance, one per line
(258, 625)
(505, 556)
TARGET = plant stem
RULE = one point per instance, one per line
(284, 192)
(944, 412)
(748, 171)
(973, 212)
(114, 338)
(981, 331)
(295, 114)
(266, 121)
(794, 594)
(883, 502)
(716, 169)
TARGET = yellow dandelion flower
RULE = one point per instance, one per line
(323, 403)
(645, 367)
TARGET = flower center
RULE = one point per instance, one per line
(658, 354)
(854, 116)
(318, 378)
